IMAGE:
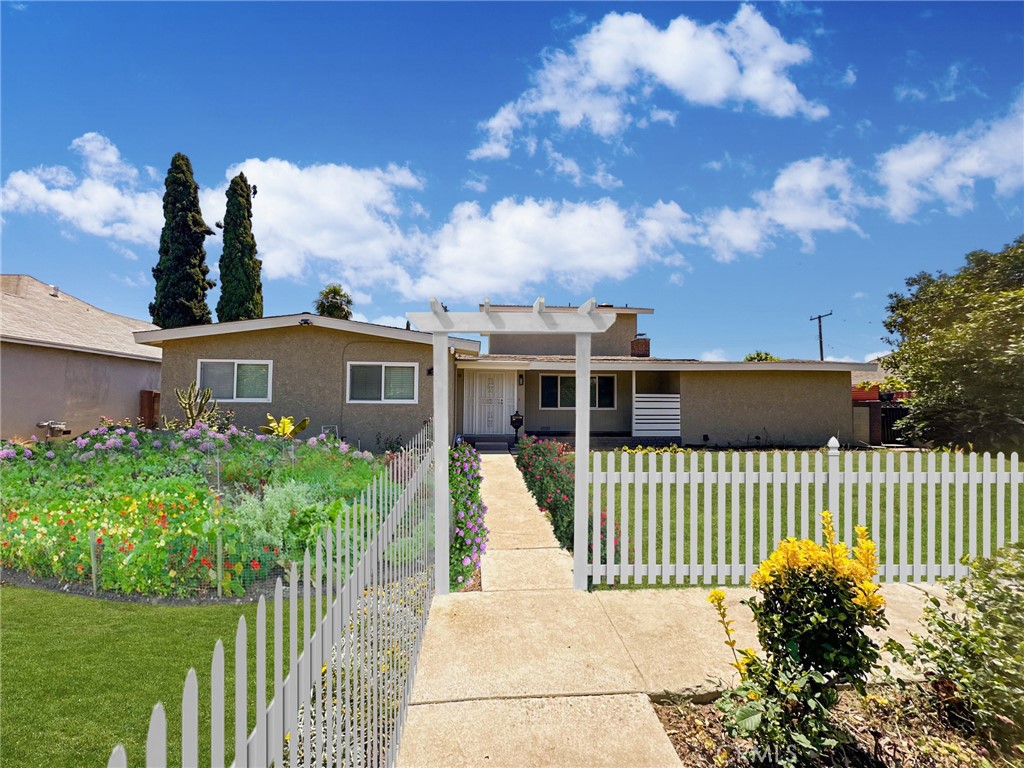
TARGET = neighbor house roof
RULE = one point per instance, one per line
(628, 363)
(159, 336)
(34, 313)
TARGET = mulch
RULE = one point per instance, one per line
(891, 727)
(473, 584)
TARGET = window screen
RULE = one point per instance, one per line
(364, 382)
(220, 377)
(253, 381)
(399, 382)
(548, 391)
(567, 391)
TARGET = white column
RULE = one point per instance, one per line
(582, 491)
(442, 495)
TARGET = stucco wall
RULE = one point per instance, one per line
(543, 420)
(43, 384)
(309, 379)
(786, 408)
(861, 425)
(614, 341)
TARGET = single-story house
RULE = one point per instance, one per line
(63, 361)
(371, 384)
(642, 399)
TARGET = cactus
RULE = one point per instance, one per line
(195, 404)
(286, 427)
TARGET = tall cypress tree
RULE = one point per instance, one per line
(181, 282)
(241, 295)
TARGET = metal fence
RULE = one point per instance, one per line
(339, 696)
(712, 517)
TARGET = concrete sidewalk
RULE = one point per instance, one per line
(529, 672)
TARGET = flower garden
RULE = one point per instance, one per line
(172, 513)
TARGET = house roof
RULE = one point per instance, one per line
(158, 336)
(34, 313)
(605, 308)
(627, 363)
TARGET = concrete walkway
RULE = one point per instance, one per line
(529, 672)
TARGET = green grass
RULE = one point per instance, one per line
(78, 675)
(737, 533)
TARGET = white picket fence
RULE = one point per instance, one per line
(339, 698)
(712, 517)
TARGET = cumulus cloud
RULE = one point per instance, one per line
(106, 201)
(570, 169)
(604, 82)
(932, 168)
(395, 321)
(716, 355)
(870, 357)
(808, 196)
(517, 245)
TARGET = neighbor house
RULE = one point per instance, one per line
(65, 362)
(371, 384)
(642, 399)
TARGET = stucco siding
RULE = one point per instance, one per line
(44, 384)
(786, 408)
(614, 341)
(309, 379)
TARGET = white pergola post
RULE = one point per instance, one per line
(582, 323)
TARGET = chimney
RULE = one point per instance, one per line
(54, 291)
(640, 346)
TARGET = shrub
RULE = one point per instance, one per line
(470, 532)
(816, 601)
(548, 468)
(972, 652)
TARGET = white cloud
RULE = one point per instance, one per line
(716, 355)
(872, 356)
(808, 196)
(138, 280)
(611, 72)
(859, 295)
(516, 246)
(105, 202)
(566, 166)
(476, 183)
(906, 92)
(122, 250)
(849, 76)
(395, 321)
(934, 168)
(843, 359)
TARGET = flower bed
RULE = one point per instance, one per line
(171, 513)
(470, 531)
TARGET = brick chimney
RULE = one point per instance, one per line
(640, 346)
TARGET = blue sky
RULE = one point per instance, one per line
(737, 167)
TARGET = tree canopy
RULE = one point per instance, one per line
(760, 356)
(334, 301)
(180, 273)
(241, 296)
(959, 345)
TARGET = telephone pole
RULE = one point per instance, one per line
(821, 344)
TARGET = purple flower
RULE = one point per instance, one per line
(119, 431)
(157, 444)
(94, 432)
(49, 454)
(81, 442)
(343, 448)
(466, 561)
(27, 454)
(311, 442)
(8, 453)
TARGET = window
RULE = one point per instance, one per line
(237, 380)
(559, 392)
(382, 382)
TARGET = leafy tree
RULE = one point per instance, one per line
(180, 273)
(959, 345)
(759, 356)
(241, 296)
(333, 301)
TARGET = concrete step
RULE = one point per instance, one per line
(492, 447)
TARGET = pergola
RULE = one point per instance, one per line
(582, 323)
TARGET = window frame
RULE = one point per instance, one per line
(594, 376)
(237, 361)
(384, 364)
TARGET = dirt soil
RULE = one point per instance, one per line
(889, 728)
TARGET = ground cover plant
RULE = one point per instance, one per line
(172, 513)
(469, 541)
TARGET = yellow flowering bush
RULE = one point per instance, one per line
(814, 606)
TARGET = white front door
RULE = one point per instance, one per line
(490, 398)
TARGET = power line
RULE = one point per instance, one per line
(821, 345)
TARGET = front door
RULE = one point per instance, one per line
(490, 398)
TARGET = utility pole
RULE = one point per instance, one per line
(821, 344)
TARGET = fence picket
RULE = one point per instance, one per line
(931, 570)
(190, 720)
(666, 520)
(156, 739)
(972, 504)
(595, 522)
(986, 504)
(118, 758)
(276, 737)
(735, 521)
(217, 706)
(241, 692)
(680, 517)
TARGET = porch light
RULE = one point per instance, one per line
(516, 421)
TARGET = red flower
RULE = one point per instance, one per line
(255, 565)
(73, 537)
(194, 551)
(205, 562)
(99, 539)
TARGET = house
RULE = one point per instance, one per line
(63, 361)
(636, 398)
(371, 384)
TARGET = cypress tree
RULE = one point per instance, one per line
(241, 295)
(180, 273)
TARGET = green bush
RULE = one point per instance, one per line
(972, 651)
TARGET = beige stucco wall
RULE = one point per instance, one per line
(785, 408)
(614, 341)
(544, 420)
(43, 384)
(309, 379)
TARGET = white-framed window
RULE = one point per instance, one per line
(383, 382)
(238, 381)
(559, 392)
